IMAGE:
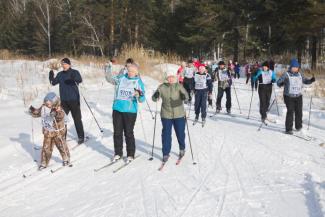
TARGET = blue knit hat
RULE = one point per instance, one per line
(294, 63)
(52, 97)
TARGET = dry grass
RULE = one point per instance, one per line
(147, 59)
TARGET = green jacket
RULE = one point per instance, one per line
(172, 96)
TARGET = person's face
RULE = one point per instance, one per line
(48, 104)
(132, 71)
(202, 69)
(171, 79)
(190, 65)
(222, 66)
(65, 66)
(294, 69)
(265, 68)
(183, 64)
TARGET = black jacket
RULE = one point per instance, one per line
(68, 81)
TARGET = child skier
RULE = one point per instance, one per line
(266, 78)
(224, 85)
(172, 113)
(188, 82)
(203, 87)
(54, 129)
(293, 81)
(129, 90)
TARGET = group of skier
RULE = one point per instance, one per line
(192, 78)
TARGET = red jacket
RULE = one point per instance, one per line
(180, 76)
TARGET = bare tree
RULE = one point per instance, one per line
(95, 42)
(44, 19)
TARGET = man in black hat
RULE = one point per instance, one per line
(69, 79)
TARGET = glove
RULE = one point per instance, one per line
(156, 94)
(138, 92)
(313, 79)
(31, 109)
(51, 75)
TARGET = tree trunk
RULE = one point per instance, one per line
(314, 52)
(236, 42)
(112, 32)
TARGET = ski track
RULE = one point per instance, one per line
(239, 172)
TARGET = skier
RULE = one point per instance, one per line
(180, 72)
(266, 77)
(128, 63)
(293, 81)
(188, 82)
(231, 67)
(254, 70)
(237, 70)
(224, 85)
(69, 79)
(247, 71)
(129, 90)
(203, 88)
(212, 74)
(172, 113)
(54, 129)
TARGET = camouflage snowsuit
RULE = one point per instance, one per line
(54, 131)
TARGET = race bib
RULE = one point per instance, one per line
(47, 119)
(267, 77)
(200, 81)
(296, 85)
(125, 90)
(223, 76)
(189, 72)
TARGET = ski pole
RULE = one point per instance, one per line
(154, 132)
(189, 109)
(236, 97)
(276, 102)
(266, 113)
(33, 141)
(189, 139)
(100, 129)
(311, 98)
(150, 109)
(250, 105)
(144, 132)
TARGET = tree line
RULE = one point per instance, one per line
(241, 29)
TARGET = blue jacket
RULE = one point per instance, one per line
(68, 81)
(125, 88)
(259, 76)
(284, 80)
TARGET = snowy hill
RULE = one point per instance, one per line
(239, 172)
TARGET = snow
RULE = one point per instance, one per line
(240, 171)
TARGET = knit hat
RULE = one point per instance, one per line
(266, 63)
(294, 63)
(52, 97)
(66, 60)
(171, 73)
(221, 63)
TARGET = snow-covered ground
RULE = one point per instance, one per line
(240, 171)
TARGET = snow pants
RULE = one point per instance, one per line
(220, 95)
(58, 139)
(294, 106)
(201, 103)
(124, 122)
(74, 107)
(264, 93)
(179, 127)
